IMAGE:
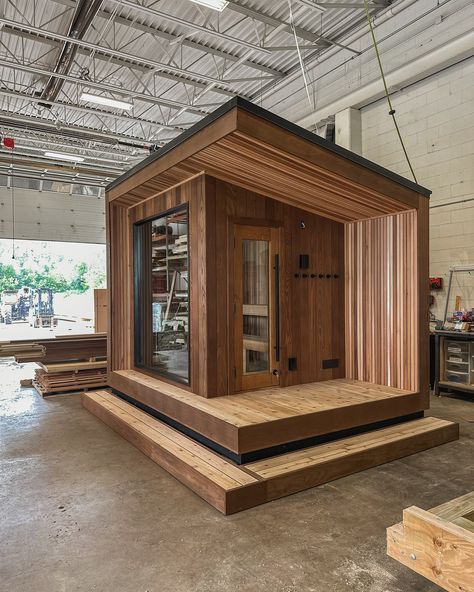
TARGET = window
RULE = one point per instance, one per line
(162, 295)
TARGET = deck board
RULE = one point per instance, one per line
(319, 454)
(264, 418)
(249, 408)
(231, 488)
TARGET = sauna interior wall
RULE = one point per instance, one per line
(312, 309)
(383, 279)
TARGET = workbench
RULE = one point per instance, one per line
(454, 361)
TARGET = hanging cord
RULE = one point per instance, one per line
(13, 209)
(300, 58)
(387, 94)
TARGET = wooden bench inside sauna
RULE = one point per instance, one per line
(268, 310)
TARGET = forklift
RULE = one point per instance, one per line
(15, 305)
(41, 309)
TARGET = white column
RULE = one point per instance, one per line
(349, 129)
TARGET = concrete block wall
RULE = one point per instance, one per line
(51, 216)
(436, 117)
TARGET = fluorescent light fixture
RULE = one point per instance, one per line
(106, 101)
(214, 4)
(61, 156)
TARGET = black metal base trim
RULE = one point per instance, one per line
(325, 438)
(181, 428)
(255, 455)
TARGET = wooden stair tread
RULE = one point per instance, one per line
(323, 453)
(230, 487)
(226, 474)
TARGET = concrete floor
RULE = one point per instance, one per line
(81, 510)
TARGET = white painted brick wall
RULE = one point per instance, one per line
(436, 117)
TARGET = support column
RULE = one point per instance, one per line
(349, 130)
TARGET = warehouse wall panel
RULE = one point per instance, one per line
(44, 215)
(436, 117)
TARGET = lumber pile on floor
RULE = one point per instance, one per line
(22, 349)
(70, 376)
(67, 362)
(72, 347)
(438, 544)
(56, 349)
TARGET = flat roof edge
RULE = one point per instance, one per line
(281, 122)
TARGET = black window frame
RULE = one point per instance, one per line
(137, 317)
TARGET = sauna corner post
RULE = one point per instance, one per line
(423, 299)
(120, 287)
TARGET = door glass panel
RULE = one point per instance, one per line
(162, 295)
(255, 300)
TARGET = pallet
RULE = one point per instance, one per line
(231, 488)
(438, 544)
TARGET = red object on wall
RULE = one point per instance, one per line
(9, 143)
(436, 283)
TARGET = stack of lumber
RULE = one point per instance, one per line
(73, 347)
(57, 349)
(70, 376)
(22, 349)
(438, 543)
(67, 362)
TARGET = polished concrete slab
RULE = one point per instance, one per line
(82, 510)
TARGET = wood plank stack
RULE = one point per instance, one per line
(70, 376)
(67, 362)
(57, 349)
(73, 347)
(22, 349)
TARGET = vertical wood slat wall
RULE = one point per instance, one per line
(382, 301)
(312, 317)
(189, 192)
(120, 288)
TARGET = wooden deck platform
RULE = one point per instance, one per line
(438, 543)
(257, 420)
(231, 488)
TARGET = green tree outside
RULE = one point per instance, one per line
(36, 267)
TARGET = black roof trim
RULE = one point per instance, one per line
(276, 120)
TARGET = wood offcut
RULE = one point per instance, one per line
(438, 543)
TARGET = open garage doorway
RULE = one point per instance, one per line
(50, 288)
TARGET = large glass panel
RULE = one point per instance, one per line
(162, 294)
(255, 261)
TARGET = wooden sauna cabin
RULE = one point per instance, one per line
(268, 306)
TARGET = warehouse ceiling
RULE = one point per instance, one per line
(170, 62)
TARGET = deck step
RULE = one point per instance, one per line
(231, 488)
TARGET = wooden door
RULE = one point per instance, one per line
(256, 307)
